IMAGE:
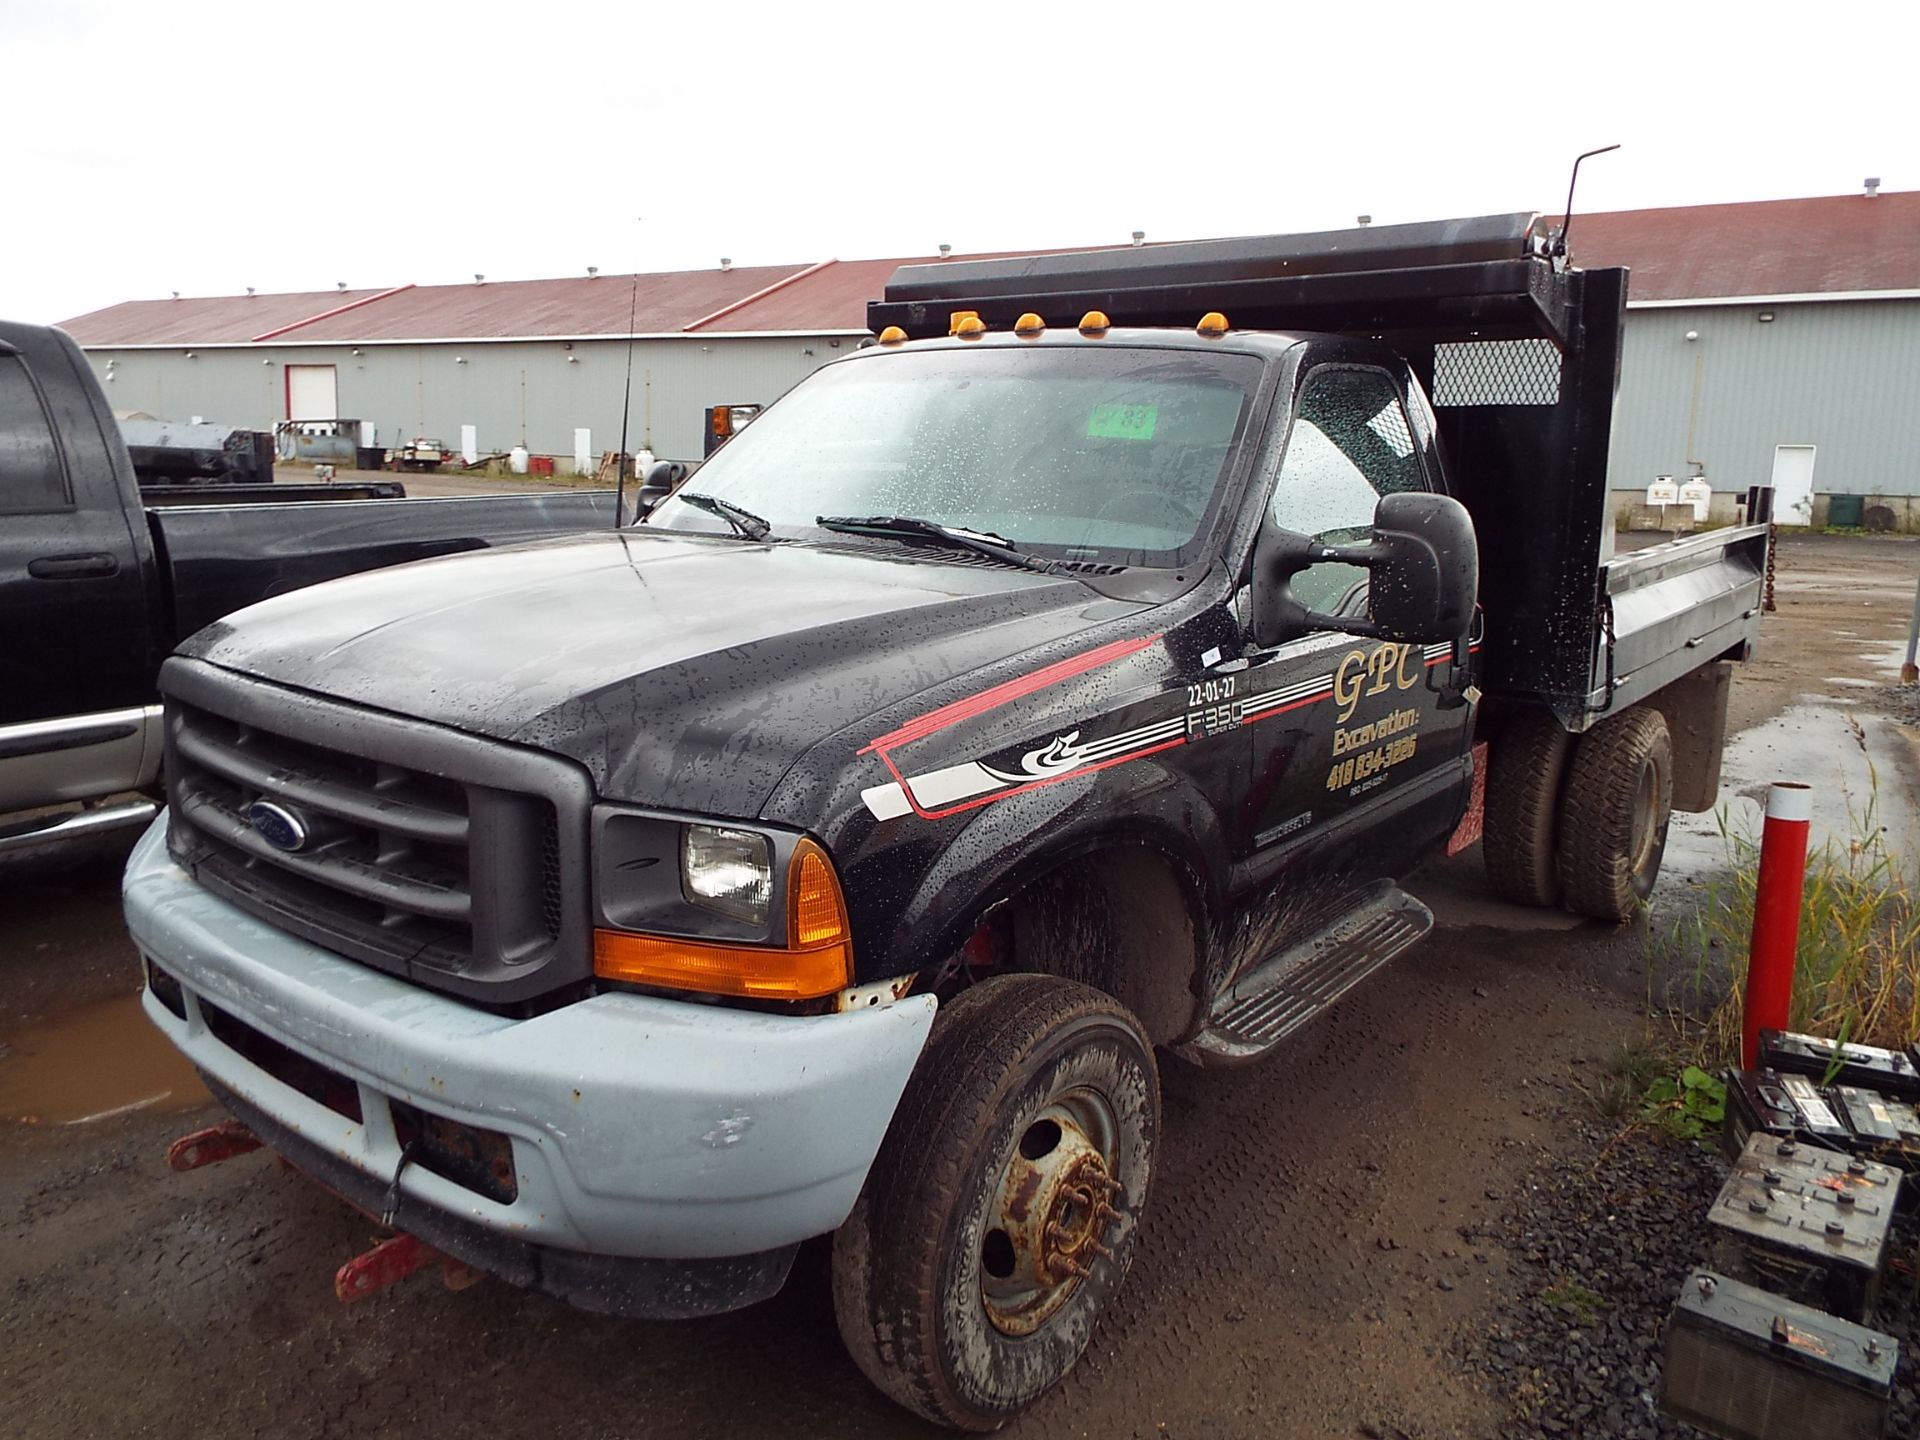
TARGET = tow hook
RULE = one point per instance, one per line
(210, 1146)
(392, 1261)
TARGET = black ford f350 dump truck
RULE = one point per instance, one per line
(100, 578)
(1068, 677)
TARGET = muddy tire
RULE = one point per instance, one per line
(1526, 771)
(1616, 807)
(999, 1219)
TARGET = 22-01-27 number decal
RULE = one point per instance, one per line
(1362, 754)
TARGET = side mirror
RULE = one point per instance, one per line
(661, 478)
(1425, 568)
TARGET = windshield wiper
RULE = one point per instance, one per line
(743, 521)
(909, 527)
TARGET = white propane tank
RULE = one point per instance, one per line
(642, 462)
(517, 459)
(1663, 491)
(1697, 493)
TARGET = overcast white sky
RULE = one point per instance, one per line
(206, 147)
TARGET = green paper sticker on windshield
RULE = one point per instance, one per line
(1122, 422)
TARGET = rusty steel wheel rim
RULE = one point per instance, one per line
(1051, 1212)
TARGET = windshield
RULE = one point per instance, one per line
(1110, 455)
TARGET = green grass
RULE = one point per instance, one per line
(1582, 1304)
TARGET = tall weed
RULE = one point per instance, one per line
(1857, 971)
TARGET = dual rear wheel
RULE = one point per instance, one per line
(1579, 821)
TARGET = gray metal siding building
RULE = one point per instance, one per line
(1841, 376)
(1805, 349)
(525, 363)
(529, 362)
(533, 393)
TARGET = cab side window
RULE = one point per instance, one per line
(31, 476)
(1350, 445)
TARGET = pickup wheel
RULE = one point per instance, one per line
(1526, 766)
(999, 1218)
(1613, 829)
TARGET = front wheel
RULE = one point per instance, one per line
(1000, 1215)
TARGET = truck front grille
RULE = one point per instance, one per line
(420, 851)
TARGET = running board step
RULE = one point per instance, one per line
(1281, 994)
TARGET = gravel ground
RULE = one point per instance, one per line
(1902, 702)
(1606, 1234)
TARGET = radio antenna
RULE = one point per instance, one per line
(626, 407)
(1566, 216)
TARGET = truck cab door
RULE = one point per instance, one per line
(75, 707)
(1358, 755)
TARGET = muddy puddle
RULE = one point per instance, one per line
(1861, 766)
(91, 1064)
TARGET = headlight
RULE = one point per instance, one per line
(727, 871)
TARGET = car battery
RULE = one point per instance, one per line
(1767, 1102)
(1877, 1119)
(1890, 1072)
(1747, 1365)
(1806, 1223)
(1841, 1117)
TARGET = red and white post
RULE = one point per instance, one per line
(1776, 915)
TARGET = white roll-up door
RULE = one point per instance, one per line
(312, 393)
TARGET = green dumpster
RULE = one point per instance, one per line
(1845, 511)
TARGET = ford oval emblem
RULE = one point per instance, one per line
(278, 826)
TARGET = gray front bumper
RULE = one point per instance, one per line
(640, 1126)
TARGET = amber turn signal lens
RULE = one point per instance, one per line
(817, 959)
(750, 971)
(816, 910)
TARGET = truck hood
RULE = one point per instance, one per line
(683, 672)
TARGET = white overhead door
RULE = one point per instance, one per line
(312, 393)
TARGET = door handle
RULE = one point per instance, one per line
(73, 567)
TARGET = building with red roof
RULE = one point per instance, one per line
(1753, 327)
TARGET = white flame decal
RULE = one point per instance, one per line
(1056, 757)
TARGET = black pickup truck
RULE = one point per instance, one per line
(1068, 677)
(99, 579)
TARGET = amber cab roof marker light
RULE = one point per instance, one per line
(959, 318)
(892, 335)
(817, 959)
(1029, 326)
(969, 327)
(1212, 325)
(1095, 322)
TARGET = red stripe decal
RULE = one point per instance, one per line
(922, 726)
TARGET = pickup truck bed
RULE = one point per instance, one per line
(221, 557)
